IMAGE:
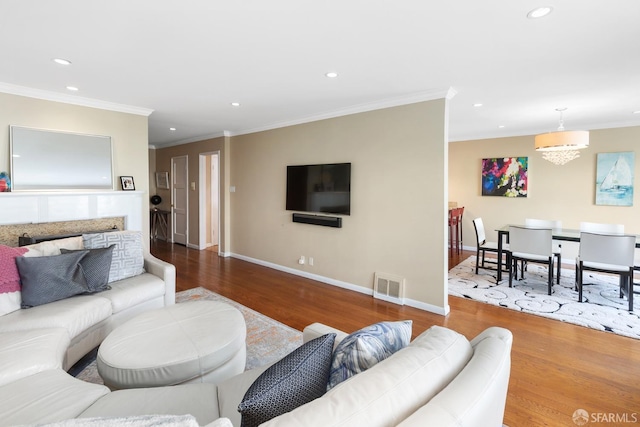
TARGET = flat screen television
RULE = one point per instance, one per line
(319, 188)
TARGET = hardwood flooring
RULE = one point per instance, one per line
(557, 367)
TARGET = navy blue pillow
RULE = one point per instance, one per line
(96, 266)
(50, 278)
(296, 379)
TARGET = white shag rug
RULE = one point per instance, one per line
(601, 309)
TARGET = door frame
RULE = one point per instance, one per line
(202, 206)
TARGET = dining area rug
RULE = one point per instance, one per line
(267, 339)
(601, 309)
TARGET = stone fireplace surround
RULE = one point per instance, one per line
(40, 213)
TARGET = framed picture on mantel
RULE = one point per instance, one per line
(127, 183)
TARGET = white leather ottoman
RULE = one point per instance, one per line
(196, 341)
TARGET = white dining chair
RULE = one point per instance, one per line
(607, 253)
(555, 225)
(531, 245)
(482, 246)
(596, 227)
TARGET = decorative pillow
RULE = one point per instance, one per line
(95, 266)
(366, 347)
(51, 278)
(9, 279)
(298, 378)
(127, 259)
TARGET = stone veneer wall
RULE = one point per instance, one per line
(9, 233)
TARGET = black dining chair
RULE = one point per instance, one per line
(483, 246)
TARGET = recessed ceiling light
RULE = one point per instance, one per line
(636, 112)
(539, 12)
(62, 61)
(477, 104)
(332, 74)
(72, 88)
(501, 126)
(172, 129)
(235, 104)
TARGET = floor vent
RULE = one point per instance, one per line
(389, 288)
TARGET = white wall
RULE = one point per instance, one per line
(398, 206)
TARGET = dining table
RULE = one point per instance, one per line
(564, 234)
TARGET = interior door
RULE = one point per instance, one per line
(180, 199)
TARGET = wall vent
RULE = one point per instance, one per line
(388, 287)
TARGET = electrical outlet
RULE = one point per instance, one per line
(301, 260)
(311, 261)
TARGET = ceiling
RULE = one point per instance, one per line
(188, 60)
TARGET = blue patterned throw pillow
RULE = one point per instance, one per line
(366, 347)
(298, 378)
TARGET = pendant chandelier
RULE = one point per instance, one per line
(562, 146)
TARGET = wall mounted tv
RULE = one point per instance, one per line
(319, 188)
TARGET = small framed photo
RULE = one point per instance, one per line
(162, 180)
(127, 183)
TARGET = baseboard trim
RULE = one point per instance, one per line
(443, 311)
(316, 277)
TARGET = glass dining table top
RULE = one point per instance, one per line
(566, 234)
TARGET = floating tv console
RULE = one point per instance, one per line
(327, 221)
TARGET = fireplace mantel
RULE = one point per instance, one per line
(37, 207)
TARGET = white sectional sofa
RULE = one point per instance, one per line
(440, 378)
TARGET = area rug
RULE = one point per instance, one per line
(267, 339)
(602, 309)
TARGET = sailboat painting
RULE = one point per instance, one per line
(614, 179)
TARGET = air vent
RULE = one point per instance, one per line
(388, 287)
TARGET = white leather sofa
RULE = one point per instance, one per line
(440, 379)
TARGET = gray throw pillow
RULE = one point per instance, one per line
(298, 378)
(51, 278)
(127, 259)
(364, 348)
(95, 266)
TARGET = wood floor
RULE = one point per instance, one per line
(557, 368)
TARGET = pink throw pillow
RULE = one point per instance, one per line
(9, 279)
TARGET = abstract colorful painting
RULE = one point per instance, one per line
(614, 179)
(505, 176)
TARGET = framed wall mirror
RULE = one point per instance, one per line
(49, 160)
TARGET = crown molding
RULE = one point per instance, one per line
(190, 140)
(413, 98)
(74, 100)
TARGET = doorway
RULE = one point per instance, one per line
(209, 223)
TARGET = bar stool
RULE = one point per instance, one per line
(455, 230)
